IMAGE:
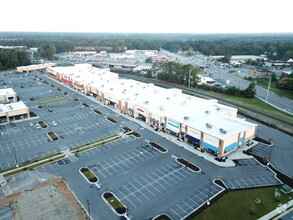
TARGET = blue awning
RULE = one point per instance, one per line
(182, 133)
(209, 146)
(241, 139)
(162, 124)
(192, 138)
(231, 146)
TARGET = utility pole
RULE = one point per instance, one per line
(268, 90)
(189, 77)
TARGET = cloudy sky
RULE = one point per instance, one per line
(151, 16)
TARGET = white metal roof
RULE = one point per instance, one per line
(12, 107)
(8, 91)
(171, 103)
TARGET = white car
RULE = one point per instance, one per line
(38, 126)
(31, 125)
(54, 123)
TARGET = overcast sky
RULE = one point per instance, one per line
(152, 16)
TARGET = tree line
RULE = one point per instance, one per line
(10, 59)
(187, 75)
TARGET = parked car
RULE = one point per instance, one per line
(54, 123)
(38, 126)
(31, 125)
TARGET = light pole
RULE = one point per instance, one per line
(268, 90)
(141, 152)
(88, 208)
(208, 202)
(15, 156)
(268, 163)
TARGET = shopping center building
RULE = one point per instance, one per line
(204, 123)
(10, 108)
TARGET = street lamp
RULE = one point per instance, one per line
(88, 208)
(208, 202)
(268, 163)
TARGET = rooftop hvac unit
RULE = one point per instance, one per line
(207, 111)
(218, 108)
(161, 108)
(136, 94)
(186, 117)
(183, 103)
(111, 88)
(209, 125)
(168, 98)
(102, 85)
(146, 102)
(1, 110)
(223, 131)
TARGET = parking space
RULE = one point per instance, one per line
(247, 162)
(120, 163)
(6, 213)
(251, 181)
(260, 150)
(194, 201)
(151, 185)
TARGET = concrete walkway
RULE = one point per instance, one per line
(237, 154)
(282, 210)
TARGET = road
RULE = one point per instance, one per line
(221, 74)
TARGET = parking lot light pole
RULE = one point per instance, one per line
(15, 156)
(88, 208)
(141, 152)
(268, 163)
(208, 202)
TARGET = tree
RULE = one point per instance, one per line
(249, 92)
(225, 59)
(148, 60)
(274, 77)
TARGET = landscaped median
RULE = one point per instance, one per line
(186, 163)
(47, 98)
(158, 147)
(88, 175)
(96, 143)
(42, 124)
(114, 203)
(53, 136)
(32, 164)
(54, 103)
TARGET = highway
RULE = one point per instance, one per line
(222, 75)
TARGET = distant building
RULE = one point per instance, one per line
(162, 59)
(34, 68)
(206, 80)
(260, 73)
(283, 62)
(285, 74)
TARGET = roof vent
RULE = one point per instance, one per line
(183, 103)
(209, 125)
(146, 102)
(218, 108)
(207, 111)
(136, 94)
(186, 117)
(162, 108)
(168, 98)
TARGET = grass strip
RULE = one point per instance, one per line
(49, 98)
(96, 145)
(93, 142)
(55, 102)
(30, 162)
(242, 205)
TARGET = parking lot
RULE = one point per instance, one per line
(6, 213)
(146, 181)
(261, 150)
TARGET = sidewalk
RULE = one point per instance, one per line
(238, 154)
(278, 211)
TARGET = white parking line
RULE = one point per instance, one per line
(176, 213)
(151, 185)
(132, 193)
(125, 197)
(138, 190)
(146, 188)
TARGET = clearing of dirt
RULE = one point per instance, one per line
(51, 200)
